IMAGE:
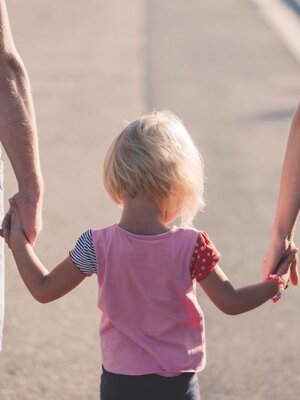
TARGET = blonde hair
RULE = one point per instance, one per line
(155, 156)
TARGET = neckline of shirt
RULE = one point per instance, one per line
(145, 237)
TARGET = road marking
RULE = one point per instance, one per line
(284, 15)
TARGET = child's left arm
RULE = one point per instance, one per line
(44, 286)
(236, 301)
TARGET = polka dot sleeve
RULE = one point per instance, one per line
(205, 257)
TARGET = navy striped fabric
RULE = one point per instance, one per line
(83, 255)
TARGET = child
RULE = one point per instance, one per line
(152, 327)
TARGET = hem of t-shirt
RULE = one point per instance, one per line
(166, 374)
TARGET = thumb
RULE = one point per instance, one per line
(294, 271)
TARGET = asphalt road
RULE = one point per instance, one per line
(93, 65)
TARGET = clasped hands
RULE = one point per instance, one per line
(30, 211)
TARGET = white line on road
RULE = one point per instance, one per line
(284, 21)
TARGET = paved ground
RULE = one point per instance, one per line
(221, 68)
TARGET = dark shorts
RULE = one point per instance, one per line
(149, 387)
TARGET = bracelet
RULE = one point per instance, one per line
(280, 284)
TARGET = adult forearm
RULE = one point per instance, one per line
(6, 39)
(18, 132)
(289, 194)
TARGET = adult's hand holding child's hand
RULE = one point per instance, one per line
(29, 212)
(284, 268)
(278, 252)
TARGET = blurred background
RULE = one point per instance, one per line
(231, 71)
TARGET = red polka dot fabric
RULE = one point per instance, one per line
(205, 257)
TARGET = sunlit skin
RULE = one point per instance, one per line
(288, 205)
(141, 217)
(18, 133)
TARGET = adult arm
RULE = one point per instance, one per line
(288, 203)
(18, 132)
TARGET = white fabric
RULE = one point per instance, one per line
(1, 258)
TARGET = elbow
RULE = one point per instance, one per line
(41, 300)
(236, 308)
(229, 310)
(230, 307)
(41, 296)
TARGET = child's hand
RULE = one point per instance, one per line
(16, 232)
(287, 262)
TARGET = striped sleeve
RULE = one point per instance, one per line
(83, 255)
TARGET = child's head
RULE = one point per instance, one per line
(154, 156)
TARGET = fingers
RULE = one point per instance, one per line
(294, 271)
(272, 259)
(286, 262)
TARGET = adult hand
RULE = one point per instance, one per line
(284, 267)
(30, 209)
(279, 249)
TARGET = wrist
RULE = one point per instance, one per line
(18, 244)
(282, 234)
(281, 239)
(32, 189)
(278, 284)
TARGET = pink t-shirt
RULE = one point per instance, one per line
(151, 321)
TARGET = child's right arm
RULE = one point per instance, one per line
(44, 286)
(236, 301)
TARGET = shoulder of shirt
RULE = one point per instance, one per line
(105, 233)
(186, 230)
(102, 230)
